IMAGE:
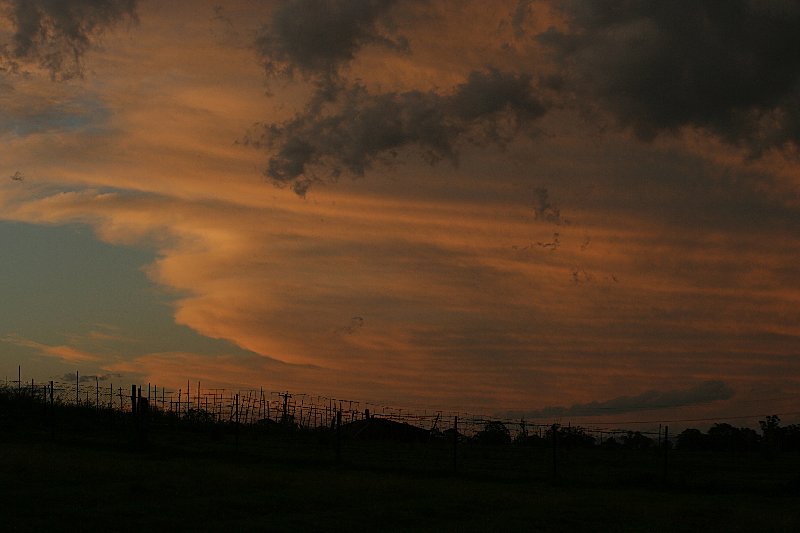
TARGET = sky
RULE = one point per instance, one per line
(561, 210)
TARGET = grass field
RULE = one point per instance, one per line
(80, 487)
(87, 475)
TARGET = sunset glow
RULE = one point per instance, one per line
(511, 207)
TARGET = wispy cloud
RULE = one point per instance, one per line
(457, 283)
(63, 352)
(26, 111)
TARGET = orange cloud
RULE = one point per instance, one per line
(65, 353)
(465, 298)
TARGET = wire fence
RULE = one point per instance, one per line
(258, 406)
(294, 426)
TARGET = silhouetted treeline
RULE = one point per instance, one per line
(578, 437)
(725, 437)
(23, 401)
(720, 437)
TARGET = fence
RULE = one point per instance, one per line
(256, 425)
(257, 406)
(323, 428)
(270, 425)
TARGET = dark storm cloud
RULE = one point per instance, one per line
(730, 67)
(543, 209)
(519, 16)
(346, 127)
(359, 127)
(55, 34)
(706, 392)
(316, 37)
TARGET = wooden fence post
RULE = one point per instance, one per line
(554, 431)
(666, 452)
(455, 444)
(339, 436)
(51, 410)
(143, 412)
(236, 427)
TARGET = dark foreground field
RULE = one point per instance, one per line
(96, 475)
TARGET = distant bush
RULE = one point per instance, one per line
(493, 433)
(727, 438)
(200, 417)
(692, 439)
(610, 444)
(574, 437)
(533, 440)
(791, 437)
(634, 440)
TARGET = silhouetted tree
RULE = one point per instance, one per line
(772, 424)
(532, 439)
(493, 433)
(748, 439)
(449, 433)
(692, 439)
(574, 437)
(200, 417)
(634, 440)
(725, 437)
(791, 437)
(771, 433)
(610, 444)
